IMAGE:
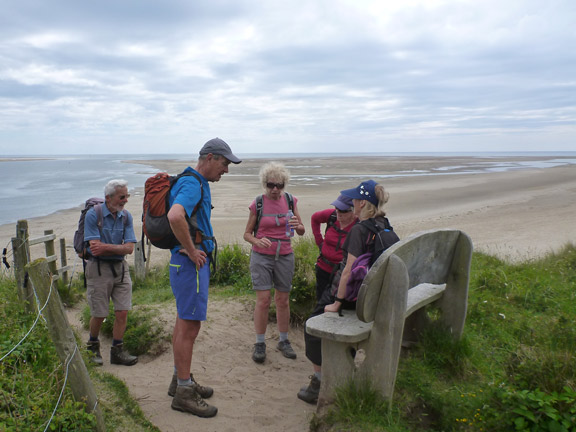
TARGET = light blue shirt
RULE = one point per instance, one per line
(113, 229)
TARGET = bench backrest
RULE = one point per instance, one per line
(429, 257)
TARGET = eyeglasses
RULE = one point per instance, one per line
(270, 185)
(343, 211)
(122, 197)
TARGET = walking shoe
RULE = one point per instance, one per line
(187, 399)
(204, 391)
(286, 349)
(259, 354)
(120, 357)
(94, 350)
(310, 394)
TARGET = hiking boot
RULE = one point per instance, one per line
(94, 350)
(286, 349)
(187, 399)
(310, 394)
(259, 354)
(120, 357)
(204, 391)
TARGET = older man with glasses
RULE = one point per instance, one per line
(109, 233)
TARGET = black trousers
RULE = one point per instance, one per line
(313, 343)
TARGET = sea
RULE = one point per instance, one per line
(40, 185)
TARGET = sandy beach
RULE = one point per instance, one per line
(516, 215)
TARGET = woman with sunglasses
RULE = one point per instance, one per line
(368, 199)
(339, 222)
(273, 219)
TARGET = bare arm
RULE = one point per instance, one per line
(180, 228)
(296, 222)
(263, 243)
(97, 248)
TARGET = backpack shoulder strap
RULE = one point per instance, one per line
(371, 225)
(331, 221)
(186, 174)
(289, 200)
(259, 203)
(99, 217)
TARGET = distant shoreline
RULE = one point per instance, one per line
(516, 214)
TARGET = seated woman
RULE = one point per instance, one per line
(273, 219)
(369, 199)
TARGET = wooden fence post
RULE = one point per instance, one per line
(51, 252)
(63, 261)
(63, 337)
(21, 253)
(139, 267)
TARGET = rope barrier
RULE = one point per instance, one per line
(35, 321)
(63, 386)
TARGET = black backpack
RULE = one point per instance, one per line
(382, 237)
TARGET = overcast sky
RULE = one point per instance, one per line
(161, 76)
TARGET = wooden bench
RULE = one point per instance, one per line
(425, 268)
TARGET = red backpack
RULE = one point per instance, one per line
(155, 209)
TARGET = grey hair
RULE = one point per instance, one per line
(112, 185)
(276, 171)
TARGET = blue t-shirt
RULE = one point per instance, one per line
(113, 230)
(187, 193)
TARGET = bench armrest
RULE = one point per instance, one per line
(347, 328)
(421, 295)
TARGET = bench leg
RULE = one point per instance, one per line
(337, 368)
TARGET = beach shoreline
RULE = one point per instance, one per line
(515, 215)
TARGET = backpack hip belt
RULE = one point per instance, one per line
(278, 246)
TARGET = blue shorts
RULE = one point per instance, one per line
(190, 288)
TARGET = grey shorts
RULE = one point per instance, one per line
(103, 286)
(268, 273)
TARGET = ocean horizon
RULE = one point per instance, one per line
(44, 184)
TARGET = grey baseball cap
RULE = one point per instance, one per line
(218, 146)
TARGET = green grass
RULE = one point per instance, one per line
(514, 368)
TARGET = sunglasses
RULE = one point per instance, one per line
(124, 196)
(275, 185)
(343, 211)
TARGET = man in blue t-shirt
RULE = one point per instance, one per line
(190, 269)
(109, 231)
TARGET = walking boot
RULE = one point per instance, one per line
(286, 349)
(204, 391)
(310, 394)
(259, 353)
(120, 357)
(187, 399)
(93, 348)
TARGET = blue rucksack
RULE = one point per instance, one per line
(380, 238)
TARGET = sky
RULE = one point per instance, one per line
(270, 76)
